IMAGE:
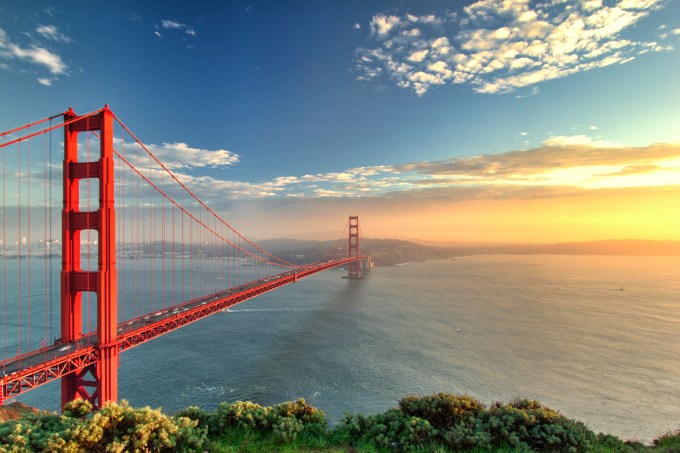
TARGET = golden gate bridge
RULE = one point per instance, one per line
(139, 254)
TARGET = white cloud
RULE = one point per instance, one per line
(418, 56)
(46, 82)
(440, 67)
(523, 62)
(591, 5)
(34, 54)
(381, 24)
(51, 32)
(174, 25)
(676, 31)
(357, 26)
(171, 24)
(638, 4)
(578, 140)
(498, 46)
(576, 161)
(179, 155)
(157, 34)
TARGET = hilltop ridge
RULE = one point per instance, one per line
(388, 252)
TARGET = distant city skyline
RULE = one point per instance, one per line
(489, 120)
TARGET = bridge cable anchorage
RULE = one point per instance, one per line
(205, 265)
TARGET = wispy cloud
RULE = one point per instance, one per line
(51, 32)
(498, 46)
(174, 25)
(565, 161)
(519, 194)
(579, 140)
(180, 156)
(35, 53)
(578, 162)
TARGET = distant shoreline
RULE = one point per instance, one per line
(391, 253)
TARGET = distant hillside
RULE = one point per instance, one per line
(14, 411)
(388, 252)
(385, 252)
(608, 247)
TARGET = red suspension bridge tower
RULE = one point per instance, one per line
(354, 266)
(98, 382)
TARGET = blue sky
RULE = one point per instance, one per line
(312, 109)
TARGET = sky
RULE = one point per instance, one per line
(435, 121)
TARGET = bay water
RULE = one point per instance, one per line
(596, 337)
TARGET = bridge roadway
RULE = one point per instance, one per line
(30, 370)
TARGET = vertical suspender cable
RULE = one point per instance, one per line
(19, 241)
(137, 242)
(28, 244)
(45, 254)
(4, 252)
(172, 255)
(51, 335)
(182, 266)
(191, 258)
(151, 260)
(121, 230)
(162, 247)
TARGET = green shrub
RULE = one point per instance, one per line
(243, 414)
(312, 421)
(635, 445)
(286, 429)
(301, 411)
(204, 420)
(31, 432)
(669, 442)
(118, 428)
(283, 421)
(391, 429)
(527, 424)
(77, 409)
(611, 444)
(467, 435)
(442, 410)
(195, 413)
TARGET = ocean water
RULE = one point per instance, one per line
(596, 337)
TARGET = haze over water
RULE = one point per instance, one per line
(592, 336)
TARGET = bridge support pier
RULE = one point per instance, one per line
(102, 384)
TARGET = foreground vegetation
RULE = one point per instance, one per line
(435, 423)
